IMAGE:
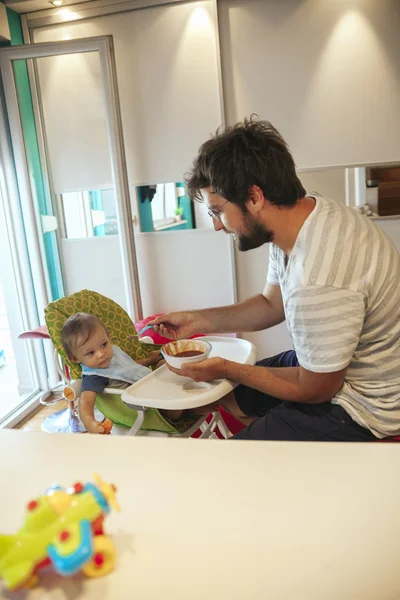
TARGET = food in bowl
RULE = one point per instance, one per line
(189, 353)
(185, 351)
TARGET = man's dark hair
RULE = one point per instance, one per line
(246, 154)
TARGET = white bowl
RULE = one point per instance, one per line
(171, 350)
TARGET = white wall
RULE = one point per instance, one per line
(167, 69)
(328, 182)
(94, 264)
(178, 270)
(203, 219)
(392, 228)
(75, 122)
(185, 269)
(324, 72)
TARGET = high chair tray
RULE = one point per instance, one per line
(164, 389)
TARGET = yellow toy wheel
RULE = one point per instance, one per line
(103, 559)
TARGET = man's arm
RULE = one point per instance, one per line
(254, 314)
(259, 312)
(326, 326)
(294, 384)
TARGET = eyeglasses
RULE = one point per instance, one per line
(216, 214)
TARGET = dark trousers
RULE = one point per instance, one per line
(293, 421)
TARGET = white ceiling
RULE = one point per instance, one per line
(25, 6)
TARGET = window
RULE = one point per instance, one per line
(164, 204)
(88, 214)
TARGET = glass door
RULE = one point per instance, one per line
(64, 158)
(22, 367)
(76, 206)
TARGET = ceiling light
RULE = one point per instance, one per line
(57, 2)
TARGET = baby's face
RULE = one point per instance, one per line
(97, 352)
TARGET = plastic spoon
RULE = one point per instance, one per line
(145, 329)
(138, 335)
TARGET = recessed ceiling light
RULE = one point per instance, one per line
(57, 2)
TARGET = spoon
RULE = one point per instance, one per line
(141, 332)
(138, 335)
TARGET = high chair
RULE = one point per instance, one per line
(135, 421)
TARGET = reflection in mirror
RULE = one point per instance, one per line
(383, 190)
(373, 190)
(88, 214)
(166, 206)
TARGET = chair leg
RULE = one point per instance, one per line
(222, 427)
(63, 421)
(198, 425)
(138, 423)
(208, 428)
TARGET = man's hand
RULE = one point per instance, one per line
(179, 325)
(206, 370)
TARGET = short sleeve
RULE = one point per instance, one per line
(272, 276)
(94, 383)
(326, 325)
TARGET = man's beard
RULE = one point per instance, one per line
(256, 237)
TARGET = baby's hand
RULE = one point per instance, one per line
(154, 357)
(107, 425)
(151, 359)
(96, 427)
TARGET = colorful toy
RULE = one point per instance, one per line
(63, 528)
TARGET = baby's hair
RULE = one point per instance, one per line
(77, 330)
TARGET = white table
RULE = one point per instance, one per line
(223, 519)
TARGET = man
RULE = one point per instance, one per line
(333, 275)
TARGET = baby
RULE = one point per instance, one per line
(86, 341)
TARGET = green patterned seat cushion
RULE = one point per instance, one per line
(112, 407)
(121, 329)
(115, 319)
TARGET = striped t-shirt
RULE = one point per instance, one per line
(341, 293)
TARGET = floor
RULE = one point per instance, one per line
(34, 422)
